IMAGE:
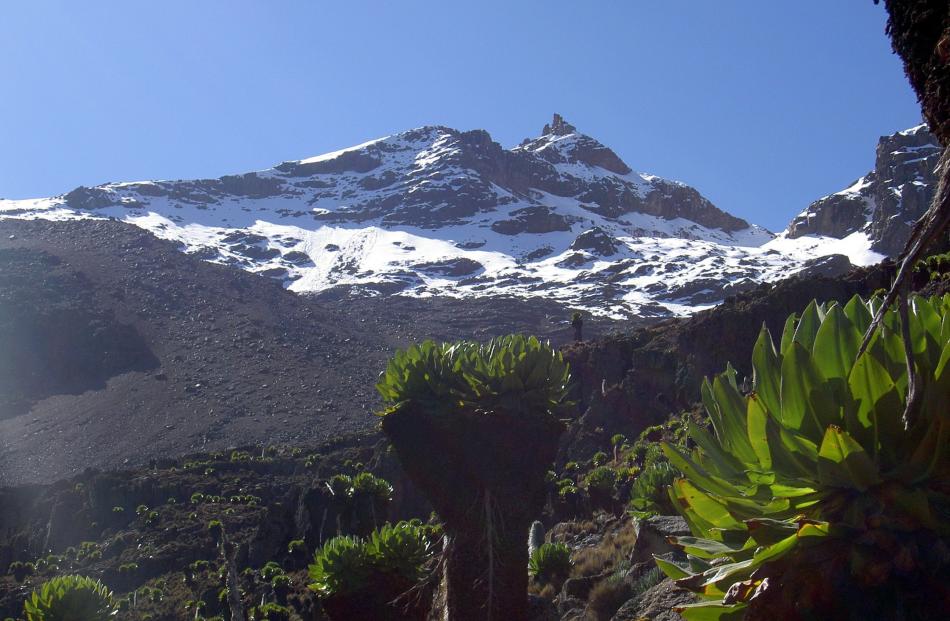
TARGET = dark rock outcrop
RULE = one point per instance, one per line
(656, 604)
(653, 537)
(886, 202)
(596, 240)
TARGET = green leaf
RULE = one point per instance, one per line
(696, 472)
(788, 333)
(732, 409)
(842, 462)
(806, 403)
(728, 466)
(731, 572)
(807, 327)
(704, 548)
(767, 372)
(857, 312)
(924, 315)
(705, 506)
(672, 570)
(767, 531)
(869, 382)
(775, 551)
(711, 611)
(836, 344)
(757, 421)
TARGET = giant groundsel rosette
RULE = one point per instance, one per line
(809, 498)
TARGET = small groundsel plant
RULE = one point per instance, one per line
(270, 611)
(341, 566)
(817, 496)
(602, 481)
(649, 494)
(373, 487)
(550, 563)
(69, 598)
(346, 565)
(20, 570)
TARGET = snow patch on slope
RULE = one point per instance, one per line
(434, 211)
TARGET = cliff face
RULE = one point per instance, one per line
(885, 203)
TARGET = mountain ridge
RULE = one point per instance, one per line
(436, 211)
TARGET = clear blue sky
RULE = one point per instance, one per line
(762, 105)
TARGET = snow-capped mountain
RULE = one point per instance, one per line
(880, 208)
(439, 212)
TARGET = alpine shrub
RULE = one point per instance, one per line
(550, 563)
(70, 598)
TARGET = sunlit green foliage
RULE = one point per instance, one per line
(347, 564)
(649, 493)
(402, 549)
(70, 598)
(512, 373)
(341, 566)
(550, 563)
(934, 267)
(372, 487)
(602, 481)
(815, 468)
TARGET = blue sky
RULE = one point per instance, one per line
(763, 106)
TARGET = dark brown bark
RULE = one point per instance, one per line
(486, 572)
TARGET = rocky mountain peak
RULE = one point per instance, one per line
(561, 143)
(558, 127)
(884, 204)
(904, 156)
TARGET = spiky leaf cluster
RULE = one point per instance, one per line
(403, 549)
(367, 485)
(341, 486)
(347, 564)
(512, 373)
(817, 458)
(340, 566)
(602, 480)
(70, 598)
(550, 562)
(648, 494)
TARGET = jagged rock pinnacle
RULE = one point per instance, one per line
(558, 127)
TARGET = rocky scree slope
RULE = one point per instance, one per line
(882, 206)
(437, 211)
(118, 348)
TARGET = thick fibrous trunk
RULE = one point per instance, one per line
(232, 583)
(484, 474)
(486, 572)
